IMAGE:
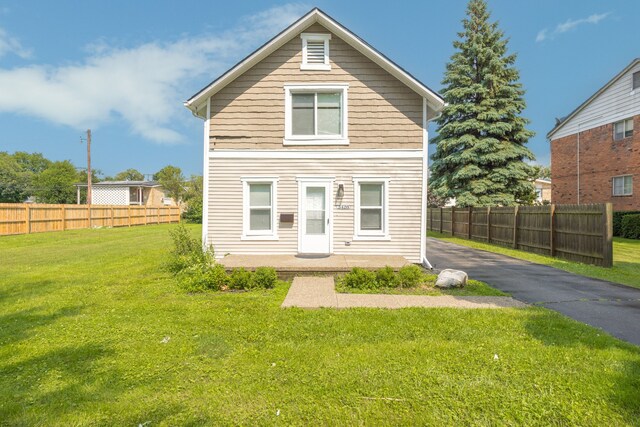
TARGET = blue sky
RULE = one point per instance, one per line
(123, 68)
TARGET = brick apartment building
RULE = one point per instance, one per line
(595, 150)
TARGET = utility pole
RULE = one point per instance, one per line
(88, 166)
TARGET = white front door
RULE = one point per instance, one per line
(314, 217)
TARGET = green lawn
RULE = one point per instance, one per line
(626, 259)
(94, 332)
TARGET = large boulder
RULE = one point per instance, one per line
(451, 279)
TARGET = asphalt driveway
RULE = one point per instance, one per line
(610, 306)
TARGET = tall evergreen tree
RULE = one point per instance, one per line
(480, 148)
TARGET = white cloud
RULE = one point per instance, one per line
(568, 25)
(142, 85)
(12, 45)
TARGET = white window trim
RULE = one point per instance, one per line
(248, 234)
(613, 186)
(315, 37)
(290, 139)
(368, 234)
(624, 125)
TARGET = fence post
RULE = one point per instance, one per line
(129, 215)
(453, 221)
(470, 222)
(515, 227)
(89, 216)
(158, 214)
(552, 231)
(145, 214)
(607, 235)
(64, 217)
(28, 218)
(112, 217)
(489, 224)
(440, 220)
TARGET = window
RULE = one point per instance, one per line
(622, 129)
(636, 80)
(315, 51)
(623, 185)
(371, 208)
(259, 210)
(316, 115)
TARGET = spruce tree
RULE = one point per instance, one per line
(480, 147)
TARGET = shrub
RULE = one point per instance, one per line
(187, 251)
(386, 277)
(193, 213)
(617, 220)
(360, 278)
(240, 279)
(409, 276)
(630, 228)
(199, 278)
(264, 278)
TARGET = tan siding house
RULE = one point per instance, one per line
(315, 144)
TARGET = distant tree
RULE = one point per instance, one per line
(172, 180)
(15, 182)
(480, 147)
(543, 172)
(56, 183)
(433, 200)
(129, 175)
(96, 175)
(193, 199)
(32, 162)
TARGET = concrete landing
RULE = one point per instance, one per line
(332, 263)
(318, 292)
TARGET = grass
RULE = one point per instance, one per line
(94, 332)
(473, 288)
(626, 259)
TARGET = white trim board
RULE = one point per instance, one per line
(314, 16)
(316, 154)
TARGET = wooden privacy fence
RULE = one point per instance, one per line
(18, 218)
(582, 233)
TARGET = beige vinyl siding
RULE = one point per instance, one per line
(382, 111)
(224, 228)
(617, 102)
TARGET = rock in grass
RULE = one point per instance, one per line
(451, 279)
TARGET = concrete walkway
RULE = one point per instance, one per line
(318, 292)
(610, 306)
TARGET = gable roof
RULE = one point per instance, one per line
(563, 121)
(314, 16)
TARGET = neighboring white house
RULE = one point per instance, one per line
(146, 193)
(316, 143)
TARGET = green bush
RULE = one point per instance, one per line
(386, 277)
(617, 221)
(630, 228)
(240, 279)
(264, 278)
(199, 278)
(410, 276)
(187, 251)
(193, 213)
(359, 278)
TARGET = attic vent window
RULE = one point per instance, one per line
(636, 80)
(315, 51)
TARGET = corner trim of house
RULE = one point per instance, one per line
(205, 175)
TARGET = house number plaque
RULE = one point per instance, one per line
(343, 207)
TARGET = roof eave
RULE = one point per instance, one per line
(315, 15)
(591, 98)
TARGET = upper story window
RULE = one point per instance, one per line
(316, 114)
(636, 80)
(315, 51)
(623, 185)
(622, 129)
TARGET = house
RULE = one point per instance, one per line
(316, 143)
(144, 193)
(543, 190)
(595, 150)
